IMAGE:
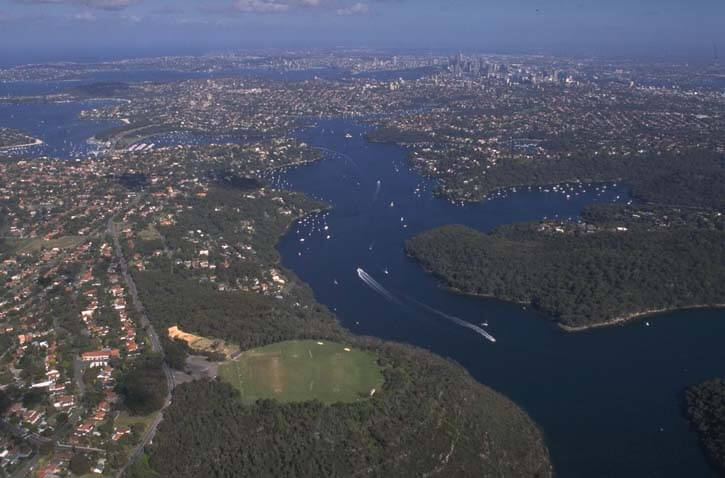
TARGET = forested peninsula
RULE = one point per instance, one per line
(618, 263)
(705, 405)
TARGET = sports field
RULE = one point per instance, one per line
(22, 246)
(302, 370)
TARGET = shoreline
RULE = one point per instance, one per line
(452, 197)
(621, 320)
(36, 142)
(483, 197)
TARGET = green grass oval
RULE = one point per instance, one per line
(302, 370)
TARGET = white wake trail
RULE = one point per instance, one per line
(344, 156)
(457, 321)
(377, 191)
(376, 286)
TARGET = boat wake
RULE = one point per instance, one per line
(377, 287)
(456, 320)
(344, 156)
(377, 191)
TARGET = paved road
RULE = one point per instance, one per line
(24, 471)
(78, 376)
(155, 346)
(133, 292)
(146, 439)
(138, 306)
(36, 440)
(33, 439)
(64, 446)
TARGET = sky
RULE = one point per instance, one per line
(61, 28)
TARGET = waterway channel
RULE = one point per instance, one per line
(608, 400)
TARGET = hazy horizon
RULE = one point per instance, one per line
(60, 29)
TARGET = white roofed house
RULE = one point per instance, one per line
(63, 401)
(99, 358)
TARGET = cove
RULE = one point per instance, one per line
(608, 400)
(57, 124)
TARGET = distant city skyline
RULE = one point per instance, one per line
(586, 27)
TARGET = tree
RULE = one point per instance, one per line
(33, 397)
(208, 427)
(61, 418)
(144, 386)
(176, 352)
(5, 402)
(141, 469)
(80, 464)
(706, 410)
(46, 448)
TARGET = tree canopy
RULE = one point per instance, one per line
(580, 276)
(706, 410)
(430, 415)
(143, 386)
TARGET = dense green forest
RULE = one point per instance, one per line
(684, 187)
(80, 464)
(103, 89)
(580, 277)
(706, 410)
(141, 469)
(246, 318)
(430, 417)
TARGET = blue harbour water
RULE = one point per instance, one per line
(609, 401)
(57, 124)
